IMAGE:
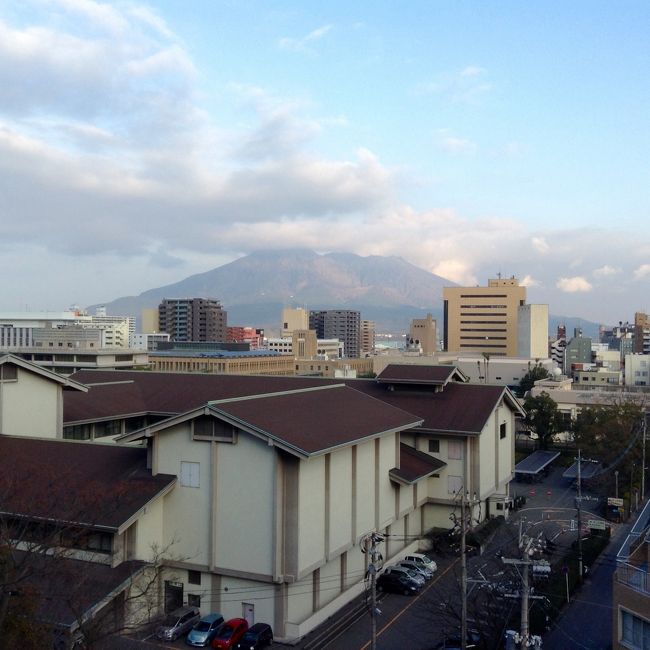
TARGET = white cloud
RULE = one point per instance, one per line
(605, 271)
(472, 71)
(302, 44)
(642, 271)
(466, 86)
(529, 281)
(540, 245)
(576, 284)
(458, 146)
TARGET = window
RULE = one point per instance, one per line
(193, 600)
(454, 484)
(455, 450)
(635, 631)
(189, 474)
(194, 577)
(111, 428)
(502, 430)
(434, 446)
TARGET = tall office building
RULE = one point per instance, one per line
(483, 319)
(641, 333)
(367, 337)
(193, 319)
(342, 324)
(532, 331)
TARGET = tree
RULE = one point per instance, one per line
(612, 434)
(543, 418)
(528, 380)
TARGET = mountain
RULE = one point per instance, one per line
(255, 288)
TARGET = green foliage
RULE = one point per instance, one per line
(612, 435)
(543, 417)
(528, 380)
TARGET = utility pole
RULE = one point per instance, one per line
(369, 545)
(463, 573)
(643, 466)
(579, 518)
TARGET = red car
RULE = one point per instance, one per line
(230, 633)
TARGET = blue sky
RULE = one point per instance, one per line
(141, 143)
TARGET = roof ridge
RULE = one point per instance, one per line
(275, 394)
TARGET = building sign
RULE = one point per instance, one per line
(596, 524)
(611, 501)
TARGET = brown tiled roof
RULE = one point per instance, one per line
(119, 393)
(414, 465)
(65, 589)
(313, 421)
(97, 485)
(459, 408)
(416, 374)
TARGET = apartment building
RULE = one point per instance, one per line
(342, 324)
(484, 319)
(366, 338)
(193, 319)
(641, 333)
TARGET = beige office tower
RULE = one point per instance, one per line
(294, 319)
(150, 323)
(367, 337)
(304, 344)
(423, 333)
(483, 319)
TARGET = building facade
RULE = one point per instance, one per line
(422, 333)
(193, 319)
(483, 319)
(342, 324)
(532, 331)
(294, 319)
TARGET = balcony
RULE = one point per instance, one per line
(634, 577)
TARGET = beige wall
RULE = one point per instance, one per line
(31, 406)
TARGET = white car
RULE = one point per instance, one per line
(424, 560)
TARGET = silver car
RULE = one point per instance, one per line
(409, 573)
(179, 622)
(427, 574)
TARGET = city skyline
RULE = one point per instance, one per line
(141, 144)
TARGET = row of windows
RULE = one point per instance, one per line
(483, 322)
(484, 306)
(483, 329)
(477, 313)
(479, 345)
(483, 338)
(483, 295)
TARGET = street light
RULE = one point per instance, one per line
(616, 479)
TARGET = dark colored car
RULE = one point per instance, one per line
(230, 634)
(452, 642)
(397, 583)
(258, 636)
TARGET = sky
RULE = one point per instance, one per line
(143, 143)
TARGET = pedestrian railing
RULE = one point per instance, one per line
(634, 577)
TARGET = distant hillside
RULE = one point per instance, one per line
(255, 288)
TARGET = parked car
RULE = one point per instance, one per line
(452, 642)
(177, 623)
(230, 634)
(414, 575)
(421, 558)
(204, 631)
(426, 573)
(398, 583)
(258, 635)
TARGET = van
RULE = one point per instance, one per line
(179, 622)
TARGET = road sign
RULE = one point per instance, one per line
(596, 524)
(612, 501)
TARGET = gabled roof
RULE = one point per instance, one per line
(414, 465)
(118, 393)
(462, 409)
(66, 382)
(420, 374)
(68, 592)
(459, 408)
(98, 486)
(304, 422)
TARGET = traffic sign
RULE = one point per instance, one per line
(612, 501)
(596, 524)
